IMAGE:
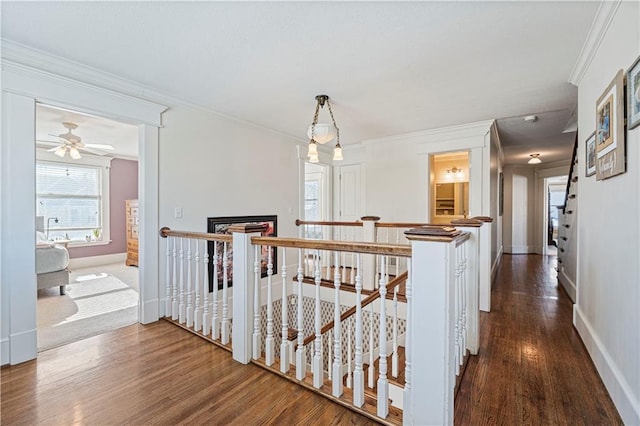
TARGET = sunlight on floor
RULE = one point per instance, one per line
(90, 277)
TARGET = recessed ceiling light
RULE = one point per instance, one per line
(531, 118)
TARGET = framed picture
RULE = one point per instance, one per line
(633, 95)
(220, 225)
(501, 194)
(590, 146)
(610, 143)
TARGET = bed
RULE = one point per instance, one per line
(52, 261)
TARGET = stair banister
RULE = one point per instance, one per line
(369, 276)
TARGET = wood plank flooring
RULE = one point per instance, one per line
(532, 367)
(155, 374)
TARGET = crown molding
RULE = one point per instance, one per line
(28, 58)
(598, 30)
(478, 128)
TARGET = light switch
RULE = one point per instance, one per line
(178, 213)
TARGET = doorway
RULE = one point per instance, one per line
(555, 193)
(449, 187)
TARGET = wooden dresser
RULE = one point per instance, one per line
(133, 220)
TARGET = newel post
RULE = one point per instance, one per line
(369, 235)
(431, 334)
(243, 286)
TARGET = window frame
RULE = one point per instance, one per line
(104, 165)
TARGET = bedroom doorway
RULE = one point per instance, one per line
(86, 173)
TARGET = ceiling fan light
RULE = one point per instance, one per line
(322, 133)
(60, 151)
(74, 153)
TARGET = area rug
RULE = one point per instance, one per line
(91, 306)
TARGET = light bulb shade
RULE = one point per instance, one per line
(60, 152)
(337, 153)
(323, 132)
(314, 159)
(74, 153)
(535, 160)
(313, 149)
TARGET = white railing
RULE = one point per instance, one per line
(296, 326)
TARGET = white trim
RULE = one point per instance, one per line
(520, 249)
(496, 263)
(440, 134)
(4, 351)
(621, 393)
(568, 285)
(89, 243)
(23, 346)
(93, 261)
(599, 27)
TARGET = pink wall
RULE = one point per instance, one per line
(123, 185)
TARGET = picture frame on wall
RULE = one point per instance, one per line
(633, 95)
(500, 194)
(590, 163)
(610, 134)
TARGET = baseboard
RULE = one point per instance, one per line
(520, 249)
(568, 285)
(627, 404)
(92, 261)
(23, 346)
(494, 267)
(4, 351)
(150, 311)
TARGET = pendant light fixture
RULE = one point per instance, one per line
(535, 159)
(321, 133)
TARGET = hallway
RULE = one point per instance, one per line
(532, 367)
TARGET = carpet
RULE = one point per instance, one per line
(92, 305)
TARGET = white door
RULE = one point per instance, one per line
(348, 200)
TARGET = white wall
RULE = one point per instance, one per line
(607, 313)
(519, 210)
(495, 168)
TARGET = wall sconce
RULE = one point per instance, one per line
(321, 133)
(454, 172)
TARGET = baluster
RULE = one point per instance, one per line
(343, 271)
(215, 318)
(406, 396)
(457, 311)
(285, 345)
(269, 343)
(189, 285)
(197, 311)
(463, 296)
(383, 384)
(394, 356)
(168, 303)
(301, 362)
(182, 307)
(317, 357)
(349, 374)
(352, 278)
(337, 350)
(224, 338)
(175, 307)
(358, 374)
(329, 354)
(205, 291)
(371, 370)
(256, 303)
(398, 259)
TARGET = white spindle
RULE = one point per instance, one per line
(269, 342)
(398, 259)
(394, 356)
(175, 307)
(168, 292)
(301, 362)
(358, 374)
(371, 371)
(383, 384)
(406, 397)
(329, 354)
(206, 316)
(197, 311)
(189, 285)
(343, 270)
(215, 309)
(349, 374)
(182, 307)
(317, 356)
(337, 349)
(285, 345)
(352, 278)
(256, 304)
(225, 332)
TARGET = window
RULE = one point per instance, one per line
(70, 197)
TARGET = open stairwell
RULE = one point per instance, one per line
(567, 248)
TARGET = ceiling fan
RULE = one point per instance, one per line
(72, 144)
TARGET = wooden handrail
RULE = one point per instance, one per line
(403, 250)
(349, 312)
(324, 222)
(223, 238)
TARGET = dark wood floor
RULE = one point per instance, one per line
(532, 367)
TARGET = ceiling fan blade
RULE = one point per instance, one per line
(92, 151)
(48, 142)
(99, 146)
(53, 149)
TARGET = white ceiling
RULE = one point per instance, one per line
(389, 67)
